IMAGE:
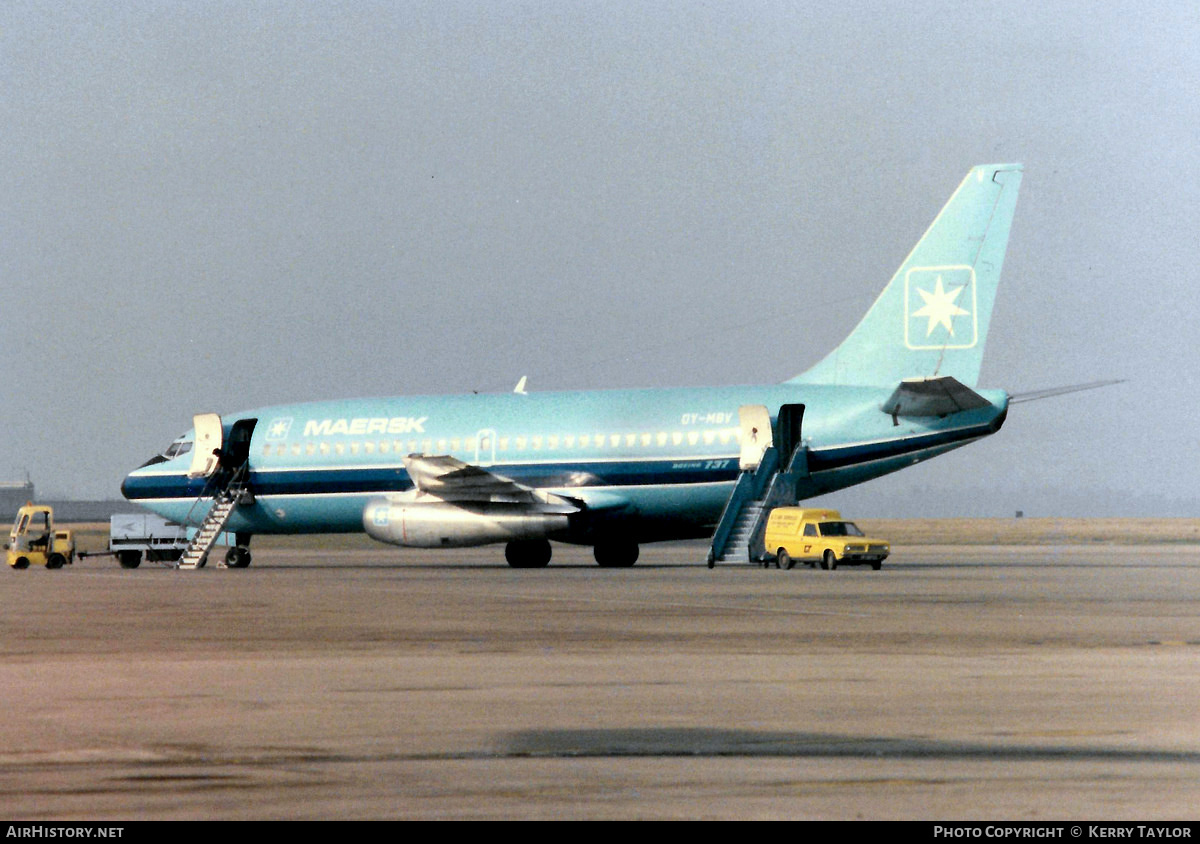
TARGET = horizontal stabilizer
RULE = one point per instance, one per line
(1034, 395)
(450, 479)
(932, 397)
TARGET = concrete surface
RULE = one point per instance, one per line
(958, 683)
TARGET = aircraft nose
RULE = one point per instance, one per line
(130, 484)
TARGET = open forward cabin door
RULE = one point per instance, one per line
(208, 440)
(755, 423)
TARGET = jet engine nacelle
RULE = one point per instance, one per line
(443, 525)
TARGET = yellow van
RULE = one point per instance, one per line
(820, 537)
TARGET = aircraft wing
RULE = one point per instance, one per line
(450, 479)
(932, 397)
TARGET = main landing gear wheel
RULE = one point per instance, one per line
(617, 554)
(237, 557)
(528, 553)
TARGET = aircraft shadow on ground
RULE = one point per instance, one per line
(715, 742)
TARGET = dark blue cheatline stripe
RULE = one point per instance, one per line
(383, 480)
(629, 473)
(842, 457)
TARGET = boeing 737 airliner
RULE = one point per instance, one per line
(616, 468)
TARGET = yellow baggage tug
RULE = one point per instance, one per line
(34, 541)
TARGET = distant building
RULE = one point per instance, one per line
(13, 495)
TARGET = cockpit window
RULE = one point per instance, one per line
(177, 448)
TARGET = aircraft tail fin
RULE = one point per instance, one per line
(932, 318)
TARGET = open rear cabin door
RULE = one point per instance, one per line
(755, 422)
(207, 427)
(789, 436)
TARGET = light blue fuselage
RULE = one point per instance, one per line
(665, 460)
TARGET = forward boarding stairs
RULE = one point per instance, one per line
(224, 500)
(739, 534)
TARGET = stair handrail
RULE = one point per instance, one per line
(233, 488)
(187, 519)
(767, 468)
(742, 492)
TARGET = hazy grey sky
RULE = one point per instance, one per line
(220, 205)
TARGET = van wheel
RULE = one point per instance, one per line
(784, 560)
(829, 561)
(877, 565)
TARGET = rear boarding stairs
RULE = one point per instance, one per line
(762, 485)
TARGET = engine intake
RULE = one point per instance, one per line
(444, 525)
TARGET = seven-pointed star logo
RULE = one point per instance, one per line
(939, 307)
(279, 428)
